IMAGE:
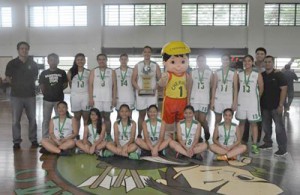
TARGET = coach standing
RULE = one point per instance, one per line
(272, 101)
(21, 73)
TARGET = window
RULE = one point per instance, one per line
(214, 14)
(135, 15)
(53, 16)
(282, 14)
(5, 17)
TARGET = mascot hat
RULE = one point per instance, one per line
(175, 48)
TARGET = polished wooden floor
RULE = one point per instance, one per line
(26, 171)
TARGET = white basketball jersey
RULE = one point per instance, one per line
(149, 70)
(188, 134)
(201, 86)
(248, 97)
(125, 89)
(153, 131)
(80, 83)
(224, 91)
(124, 133)
(230, 136)
(93, 135)
(66, 128)
(103, 85)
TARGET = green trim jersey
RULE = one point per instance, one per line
(103, 85)
(93, 136)
(125, 89)
(80, 83)
(248, 96)
(124, 133)
(201, 86)
(188, 134)
(153, 131)
(62, 129)
(224, 91)
(227, 137)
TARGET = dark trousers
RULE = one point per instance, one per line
(272, 115)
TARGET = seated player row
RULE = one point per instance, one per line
(63, 130)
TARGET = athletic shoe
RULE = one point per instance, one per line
(35, 144)
(281, 153)
(222, 157)
(44, 151)
(108, 138)
(107, 153)
(133, 156)
(64, 153)
(146, 152)
(162, 152)
(265, 147)
(197, 157)
(207, 136)
(254, 149)
(16, 146)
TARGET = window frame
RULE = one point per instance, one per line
(213, 14)
(10, 25)
(296, 5)
(59, 21)
(134, 14)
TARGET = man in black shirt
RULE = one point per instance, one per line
(21, 73)
(52, 82)
(272, 101)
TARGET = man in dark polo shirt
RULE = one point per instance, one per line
(52, 82)
(21, 73)
(272, 101)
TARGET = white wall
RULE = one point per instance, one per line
(67, 41)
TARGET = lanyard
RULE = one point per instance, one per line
(153, 132)
(123, 76)
(80, 76)
(94, 131)
(60, 128)
(124, 130)
(224, 80)
(102, 76)
(188, 130)
(246, 81)
(228, 134)
(201, 76)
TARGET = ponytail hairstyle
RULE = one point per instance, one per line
(129, 118)
(65, 103)
(74, 69)
(99, 121)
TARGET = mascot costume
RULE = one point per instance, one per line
(175, 81)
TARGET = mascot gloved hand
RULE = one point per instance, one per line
(175, 81)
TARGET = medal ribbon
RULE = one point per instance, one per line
(60, 128)
(227, 136)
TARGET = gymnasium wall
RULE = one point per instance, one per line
(67, 41)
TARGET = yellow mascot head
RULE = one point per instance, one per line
(176, 57)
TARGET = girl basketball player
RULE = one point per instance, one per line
(94, 133)
(225, 89)
(188, 133)
(78, 80)
(202, 79)
(62, 131)
(124, 130)
(125, 90)
(227, 140)
(154, 133)
(251, 88)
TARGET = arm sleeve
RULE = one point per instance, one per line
(9, 69)
(281, 79)
(42, 78)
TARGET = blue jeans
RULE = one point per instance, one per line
(47, 111)
(267, 117)
(18, 104)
